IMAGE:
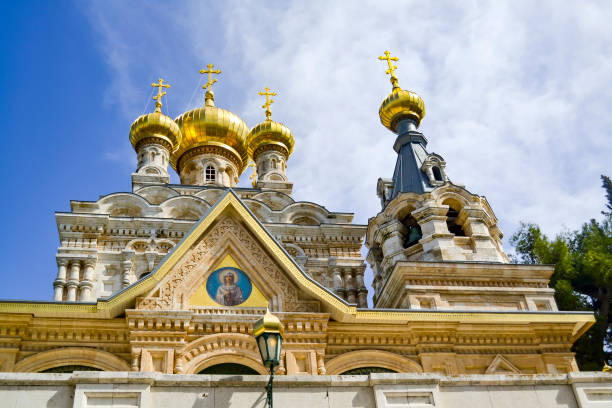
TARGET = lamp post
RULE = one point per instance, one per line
(268, 332)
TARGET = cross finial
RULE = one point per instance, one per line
(254, 175)
(269, 101)
(210, 81)
(392, 68)
(160, 92)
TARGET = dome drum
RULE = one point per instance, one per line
(154, 140)
(275, 146)
(213, 148)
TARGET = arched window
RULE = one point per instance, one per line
(367, 370)
(437, 173)
(229, 368)
(69, 369)
(414, 233)
(210, 173)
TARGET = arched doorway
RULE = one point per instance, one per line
(229, 368)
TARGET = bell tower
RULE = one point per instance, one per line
(424, 216)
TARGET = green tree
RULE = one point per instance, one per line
(607, 185)
(582, 278)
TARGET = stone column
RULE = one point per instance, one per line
(362, 291)
(359, 279)
(125, 273)
(337, 277)
(60, 282)
(362, 297)
(87, 283)
(73, 280)
(349, 287)
(126, 268)
(321, 363)
(392, 242)
(136, 359)
(150, 255)
(281, 364)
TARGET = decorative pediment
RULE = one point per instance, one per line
(226, 267)
(501, 365)
(223, 263)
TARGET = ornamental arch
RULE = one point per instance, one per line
(218, 349)
(71, 356)
(371, 358)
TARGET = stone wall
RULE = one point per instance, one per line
(148, 390)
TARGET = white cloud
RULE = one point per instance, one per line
(517, 93)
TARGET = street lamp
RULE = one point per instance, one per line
(268, 332)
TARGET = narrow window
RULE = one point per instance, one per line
(210, 173)
(414, 231)
(437, 173)
(451, 223)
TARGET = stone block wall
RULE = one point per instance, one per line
(148, 390)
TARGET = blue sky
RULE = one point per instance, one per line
(517, 93)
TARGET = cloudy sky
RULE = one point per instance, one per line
(518, 98)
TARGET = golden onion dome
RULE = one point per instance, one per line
(158, 126)
(401, 104)
(212, 127)
(269, 133)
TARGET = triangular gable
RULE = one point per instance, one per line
(229, 203)
(275, 273)
(501, 365)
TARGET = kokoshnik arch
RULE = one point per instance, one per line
(171, 277)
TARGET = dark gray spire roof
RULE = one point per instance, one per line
(411, 153)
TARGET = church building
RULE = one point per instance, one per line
(171, 278)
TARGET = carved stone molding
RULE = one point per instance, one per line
(189, 270)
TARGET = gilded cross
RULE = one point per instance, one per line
(392, 68)
(210, 81)
(269, 101)
(160, 92)
(253, 176)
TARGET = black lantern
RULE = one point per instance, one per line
(268, 332)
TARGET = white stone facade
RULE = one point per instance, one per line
(149, 390)
(109, 244)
